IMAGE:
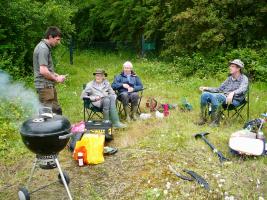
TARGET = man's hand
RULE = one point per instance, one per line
(230, 97)
(202, 89)
(97, 98)
(126, 86)
(60, 78)
(130, 89)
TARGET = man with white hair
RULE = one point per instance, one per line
(127, 83)
(232, 91)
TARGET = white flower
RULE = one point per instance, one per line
(187, 194)
(168, 185)
(261, 198)
(165, 192)
(222, 180)
(231, 197)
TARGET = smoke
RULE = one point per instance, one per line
(15, 93)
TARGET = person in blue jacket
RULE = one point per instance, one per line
(127, 84)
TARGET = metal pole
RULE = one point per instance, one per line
(71, 51)
(143, 45)
(63, 178)
(32, 171)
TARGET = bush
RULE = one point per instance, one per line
(215, 64)
(23, 23)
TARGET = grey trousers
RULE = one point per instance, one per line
(108, 103)
(127, 98)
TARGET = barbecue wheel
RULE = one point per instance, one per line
(23, 194)
(66, 176)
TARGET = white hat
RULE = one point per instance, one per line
(128, 64)
(237, 62)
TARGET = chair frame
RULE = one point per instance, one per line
(90, 109)
(237, 110)
(120, 106)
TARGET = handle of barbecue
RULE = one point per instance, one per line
(44, 110)
(63, 137)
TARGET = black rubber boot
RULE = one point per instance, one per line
(215, 118)
(127, 113)
(134, 112)
(203, 118)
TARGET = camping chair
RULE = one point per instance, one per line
(233, 112)
(90, 110)
(120, 106)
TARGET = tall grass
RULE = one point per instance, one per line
(170, 140)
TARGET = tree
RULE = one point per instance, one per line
(23, 23)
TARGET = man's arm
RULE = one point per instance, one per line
(47, 74)
(51, 76)
(218, 89)
(243, 88)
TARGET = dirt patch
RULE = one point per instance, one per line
(121, 176)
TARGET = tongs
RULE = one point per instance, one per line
(193, 176)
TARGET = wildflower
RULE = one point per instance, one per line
(168, 185)
(165, 192)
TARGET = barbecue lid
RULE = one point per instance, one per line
(44, 125)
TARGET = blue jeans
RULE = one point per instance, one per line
(216, 99)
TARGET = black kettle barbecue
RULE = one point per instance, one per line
(46, 135)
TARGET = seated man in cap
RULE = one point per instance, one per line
(128, 84)
(103, 96)
(232, 91)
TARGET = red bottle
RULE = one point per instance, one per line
(80, 159)
(166, 110)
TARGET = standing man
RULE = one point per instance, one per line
(232, 91)
(45, 77)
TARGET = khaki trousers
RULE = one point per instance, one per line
(48, 98)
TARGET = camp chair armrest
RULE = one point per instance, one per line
(118, 94)
(86, 99)
(140, 90)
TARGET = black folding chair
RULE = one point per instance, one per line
(90, 110)
(120, 106)
(234, 112)
(230, 111)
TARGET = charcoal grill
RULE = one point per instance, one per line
(45, 135)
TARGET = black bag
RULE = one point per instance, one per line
(76, 137)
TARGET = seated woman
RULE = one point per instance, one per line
(103, 96)
(128, 84)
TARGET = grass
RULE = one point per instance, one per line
(140, 169)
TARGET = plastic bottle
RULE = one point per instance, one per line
(166, 110)
(80, 159)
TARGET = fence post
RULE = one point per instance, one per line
(143, 46)
(71, 50)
